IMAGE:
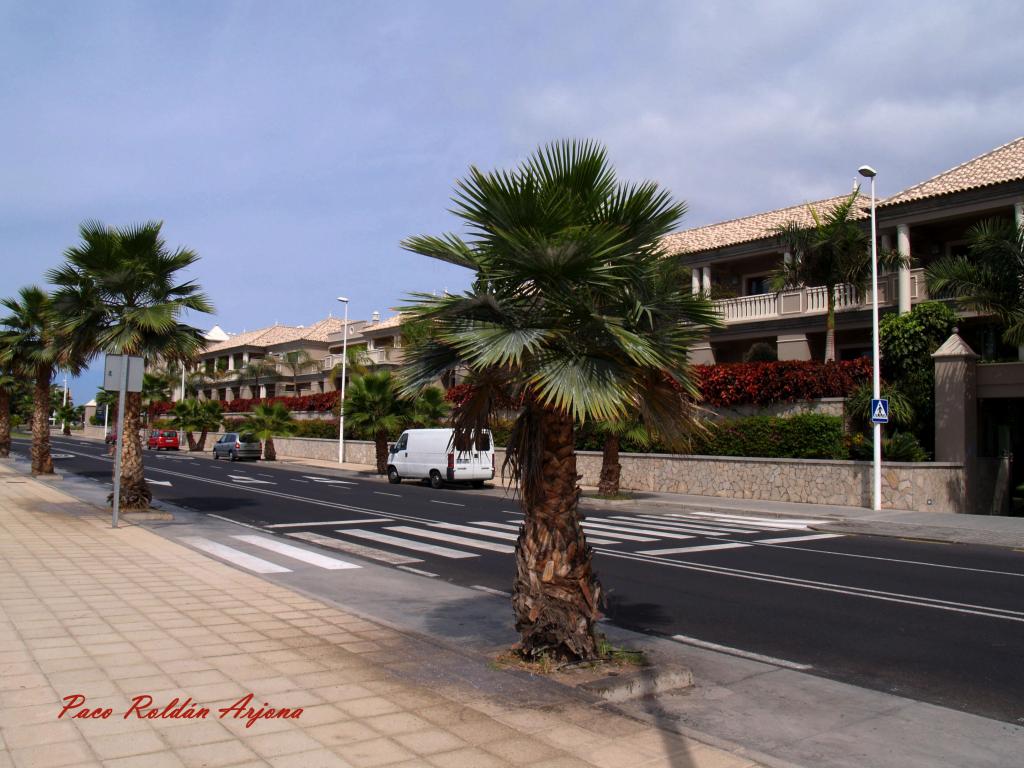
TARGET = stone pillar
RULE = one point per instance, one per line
(695, 280)
(787, 258)
(793, 347)
(705, 282)
(701, 354)
(956, 411)
(884, 246)
(263, 391)
(903, 244)
(245, 358)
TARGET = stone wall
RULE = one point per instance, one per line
(925, 487)
(356, 451)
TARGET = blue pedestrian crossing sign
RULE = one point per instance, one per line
(880, 411)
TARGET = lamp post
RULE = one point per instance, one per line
(876, 469)
(344, 368)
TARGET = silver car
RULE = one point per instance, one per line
(237, 445)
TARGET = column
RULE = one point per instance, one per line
(793, 346)
(884, 246)
(695, 280)
(706, 280)
(903, 245)
(787, 258)
(956, 412)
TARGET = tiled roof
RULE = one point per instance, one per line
(392, 322)
(1002, 164)
(748, 229)
(279, 334)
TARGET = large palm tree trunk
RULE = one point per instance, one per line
(201, 445)
(5, 424)
(380, 444)
(191, 440)
(42, 463)
(135, 494)
(269, 451)
(557, 596)
(611, 470)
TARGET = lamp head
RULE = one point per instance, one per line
(867, 171)
(343, 299)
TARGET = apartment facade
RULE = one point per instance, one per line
(733, 261)
(288, 361)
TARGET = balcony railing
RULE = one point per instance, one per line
(385, 355)
(814, 300)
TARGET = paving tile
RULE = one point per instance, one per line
(215, 755)
(158, 760)
(126, 744)
(74, 753)
(430, 742)
(281, 743)
(317, 758)
(520, 751)
(375, 752)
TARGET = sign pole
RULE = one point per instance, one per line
(876, 468)
(119, 443)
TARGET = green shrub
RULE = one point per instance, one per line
(804, 436)
(902, 446)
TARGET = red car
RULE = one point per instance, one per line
(163, 439)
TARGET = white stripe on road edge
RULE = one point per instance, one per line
(872, 594)
(231, 555)
(685, 550)
(382, 493)
(491, 590)
(418, 572)
(787, 539)
(294, 480)
(743, 654)
(451, 539)
(417, 546)
(333, 522)
(330, 480)
(296, 553)
(612, 525)
(158, 482)
(449, 503)
(754, 519)
(350, 547)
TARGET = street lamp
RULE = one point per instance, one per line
(876, 470)
(341, 401)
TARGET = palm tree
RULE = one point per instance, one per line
(568, 318)
(430, 408)
(267, 421)
(615, 431)
(33, 346)
(373, 406)
(66, 414)
(8, 383)
(832, 252)
(120, 291)
(107, 399)
(297, 363)
(257, 370)
(202, 416)
(357, 363)
(990, 278)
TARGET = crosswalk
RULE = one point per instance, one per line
(408, 541)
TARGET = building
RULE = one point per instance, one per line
(733, 261)
(286, 361)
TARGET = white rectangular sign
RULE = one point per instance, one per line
(112, 373)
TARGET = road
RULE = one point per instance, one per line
(936, 623)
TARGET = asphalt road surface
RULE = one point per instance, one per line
(937, 623)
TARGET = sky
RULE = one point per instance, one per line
(293, 145)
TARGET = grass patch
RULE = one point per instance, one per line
(612, 660)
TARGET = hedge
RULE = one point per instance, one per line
(728, 384)
(803, 436)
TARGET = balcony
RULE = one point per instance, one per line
(385, 355)
(814, 301)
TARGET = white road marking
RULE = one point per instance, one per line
(872, 594)
(452, 539)
(418, 572)
(246, 480)
(382, 493)
(449, 503)
(296, 553)
(601, 530)
(232, 555)
(687, 524)
(507, 535)
(612, 525)
(507, 526)
(294, 480)
(333, 522)
(491, 590)
(329, 480)
(264, 474)
(158, 482)
(416, 546)
(760, 520)
(352, 548)
(684, 550)
(741, 653)
(788, 539)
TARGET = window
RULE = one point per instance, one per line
(403, 441)
(758, 284)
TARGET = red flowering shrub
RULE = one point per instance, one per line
(728, 384)
(322, 401)
(460, 393)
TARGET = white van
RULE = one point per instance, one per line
(429, 454)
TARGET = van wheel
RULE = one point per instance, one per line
(393, 477)
(436, 480)
(478, 483)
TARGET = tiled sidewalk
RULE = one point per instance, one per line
(113, 614)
